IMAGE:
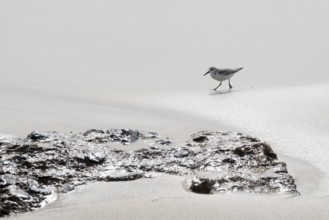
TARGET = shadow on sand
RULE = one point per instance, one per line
(222, 92)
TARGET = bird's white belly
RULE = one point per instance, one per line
(219, 77)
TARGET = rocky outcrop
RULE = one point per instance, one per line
(34, 170)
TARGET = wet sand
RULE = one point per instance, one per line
(76, 65)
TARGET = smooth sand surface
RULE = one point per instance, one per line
(72, 65)
(23, 110)
(163, 198)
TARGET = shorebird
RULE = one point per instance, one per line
(222, 75)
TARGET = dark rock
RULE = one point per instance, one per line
(25, 148)
(49, 179)
(97, 136)
(267, 151)
(280, 167)
(228, 160)
(256, 149)
(38, 136)
(45, 162)
(148, 135)
(113, 135)
(200, 139)
(93, 132)
(127, 177)
(124, 136)
(5, 211)
(242, 151)
(237, 183)
(249, 138)
(91, 159)
(10, 146)
(203, 186)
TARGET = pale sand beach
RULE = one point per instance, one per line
(76, 65)
(165, 197)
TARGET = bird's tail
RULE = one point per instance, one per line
(238, 69)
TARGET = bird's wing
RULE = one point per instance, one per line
(227, 71)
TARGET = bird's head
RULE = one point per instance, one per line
(210, 69)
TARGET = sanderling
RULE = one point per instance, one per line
(222, 75)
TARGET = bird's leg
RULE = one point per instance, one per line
(217, 86)
(229, 83)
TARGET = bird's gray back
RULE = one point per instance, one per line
(227, 71)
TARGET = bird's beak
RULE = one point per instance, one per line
(206, 73)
